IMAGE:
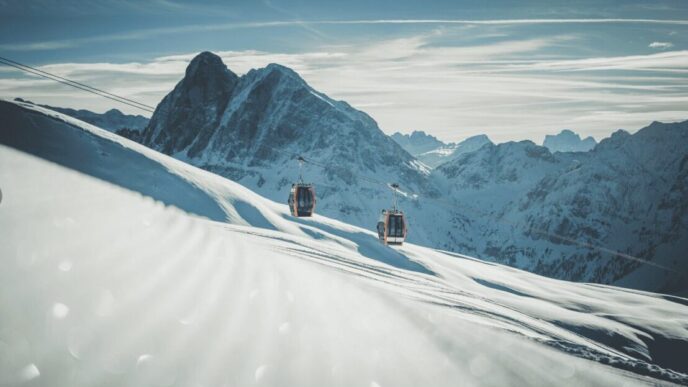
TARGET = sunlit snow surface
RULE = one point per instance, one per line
(124, 267)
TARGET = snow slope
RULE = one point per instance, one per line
(112, 120)
(122, 266)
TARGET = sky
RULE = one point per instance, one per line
(511, 70)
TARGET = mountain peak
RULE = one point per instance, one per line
(194, 106)
(417, 142)
(207, 63)
(279, 67)
(568, 141)
(478, 138)
(113, 112)
(279, 71)
(218, 121)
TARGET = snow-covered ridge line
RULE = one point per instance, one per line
(169, 287)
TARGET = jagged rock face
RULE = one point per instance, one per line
(624, 197)
(193, 108)
(275, 108)
(417, 142)
(243, 119)
(471, 144)
(568, 141)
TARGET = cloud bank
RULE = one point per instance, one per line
(506, 88)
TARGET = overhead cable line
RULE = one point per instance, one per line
(77, 85)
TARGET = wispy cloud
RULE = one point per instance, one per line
(309, 24)
(508, 21)
(671, 61)
(140, 34)
(661, 45)
(506, 88)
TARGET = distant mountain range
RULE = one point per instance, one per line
(418, 142)
(594, 216)
(568, 141)
(112, 120)
(433, 152)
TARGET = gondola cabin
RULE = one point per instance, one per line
(302, 199)
(391, 228)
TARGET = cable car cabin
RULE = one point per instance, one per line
(302, 200)
(391, 229)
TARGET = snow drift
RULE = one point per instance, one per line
(123, 266)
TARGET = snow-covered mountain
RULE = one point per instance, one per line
(568, 141)
(417, 142)
(561, 214)
(112, 120)
(485, 202)
(439, 156)
(433, 152)
(123, 266)
(251, 128)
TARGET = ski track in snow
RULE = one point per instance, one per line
(122, 266)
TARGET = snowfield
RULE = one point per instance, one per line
(125, 267)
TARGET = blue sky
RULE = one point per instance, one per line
(512, 70)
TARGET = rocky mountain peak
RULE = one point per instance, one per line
(194, 106)
(217, 119)
(276, 67)
(568, 141)
(417, 142)
(473, 143)
(207, 64)
(617, 138)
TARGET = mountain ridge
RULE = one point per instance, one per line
(112, 120)
(433, 152)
